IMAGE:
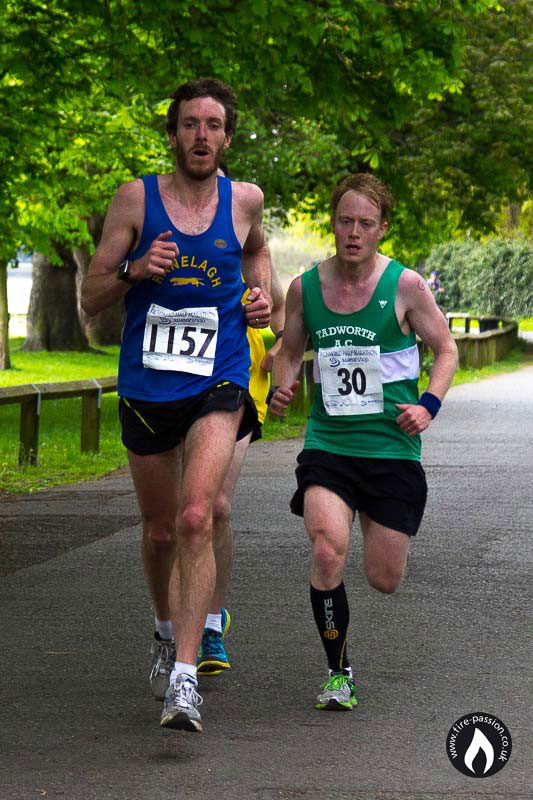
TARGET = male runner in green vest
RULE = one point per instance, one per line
(362, 312)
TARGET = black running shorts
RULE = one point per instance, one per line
(149, 428)
(391, 491)
(257, 432)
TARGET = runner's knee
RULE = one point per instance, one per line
(328, 556)
(222, 509)
(159, 533)
(384, 579)
(195, 521)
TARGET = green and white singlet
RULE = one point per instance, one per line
(364, 364)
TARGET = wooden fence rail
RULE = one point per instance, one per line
(30, 397)
(496, 338)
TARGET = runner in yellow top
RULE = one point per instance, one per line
(212, 658)
(259, 380)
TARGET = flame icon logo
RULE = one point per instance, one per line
(479, 745)
(479, 742)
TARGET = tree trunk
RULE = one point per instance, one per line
(106, 327)
(53, 322)
(5, 361)
(514, 212)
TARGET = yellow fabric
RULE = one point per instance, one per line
(259, 379)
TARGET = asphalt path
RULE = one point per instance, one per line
(77, 719)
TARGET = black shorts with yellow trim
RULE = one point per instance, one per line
(149, 428)
(391, 491)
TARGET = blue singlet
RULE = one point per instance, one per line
(185, 332)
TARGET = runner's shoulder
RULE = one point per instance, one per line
(411, 285)
(294, 292)
(248, 196)
(128, 203)
(130, 193)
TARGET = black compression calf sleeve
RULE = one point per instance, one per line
(332, 616)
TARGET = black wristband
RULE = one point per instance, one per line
(431, 403)
(279, 334)
(271, 392)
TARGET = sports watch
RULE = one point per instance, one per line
(123, 271)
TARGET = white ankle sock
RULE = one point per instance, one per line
(164, 628)
(180, 668)
(214, 621)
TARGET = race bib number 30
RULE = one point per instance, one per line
(182, 341)
(351, 380)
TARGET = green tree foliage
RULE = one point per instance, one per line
(456, 163)
(495, 277)
(322, 88)
(322, 85)
(516, 220)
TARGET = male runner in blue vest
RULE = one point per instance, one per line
(173, 246)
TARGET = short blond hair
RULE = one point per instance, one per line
(368, 185)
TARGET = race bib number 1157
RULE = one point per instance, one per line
(183, 341)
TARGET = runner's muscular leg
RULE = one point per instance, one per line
(156, 479)
(385, 555)
(328, 521)
(223, 532)
(208, 450)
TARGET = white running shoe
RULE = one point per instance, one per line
(180, 710)
(163, 652)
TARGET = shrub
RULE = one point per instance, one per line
(495, 277)
(450, 259)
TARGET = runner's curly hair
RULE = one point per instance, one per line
(204, 87)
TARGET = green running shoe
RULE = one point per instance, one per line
(226, 622)
(338, 693)
(212, 658)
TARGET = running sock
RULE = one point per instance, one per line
(345, 671)
(180, 668)
(164, 628)
(214, 622)
(332, 615)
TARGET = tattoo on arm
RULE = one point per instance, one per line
(421, 286)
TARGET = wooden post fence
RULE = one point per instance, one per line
(30, 397)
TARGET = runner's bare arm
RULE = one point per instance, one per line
(288, 361)
(255, 258)
(101, 287)
(424, 316)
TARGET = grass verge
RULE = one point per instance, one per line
(60, 460)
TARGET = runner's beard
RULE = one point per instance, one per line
(197, 173)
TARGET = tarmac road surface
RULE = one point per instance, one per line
(77, 720)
